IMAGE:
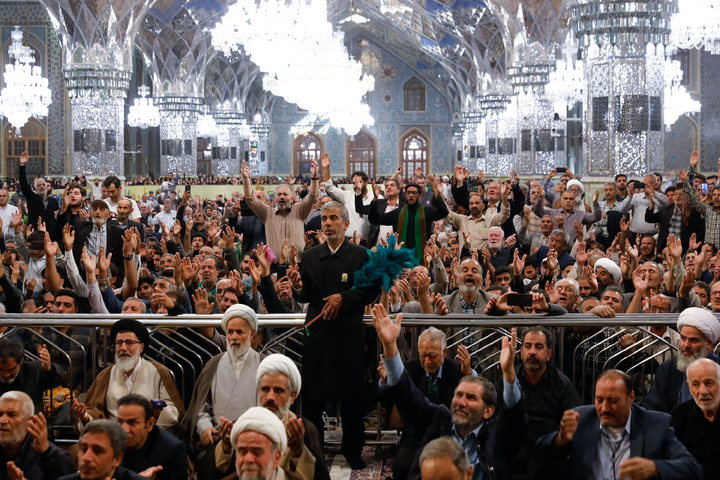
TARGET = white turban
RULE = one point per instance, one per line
(279, 363)
(242, 311)
(701, 319)
(575, 182)
(260, 420)
(611, 267)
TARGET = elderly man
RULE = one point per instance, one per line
(436, 376)
(96, 233)
(113, 186)
(695, 420)
(334, 349)
(710, 211)
(130, 374)
(6, 214)
(548, 393)
(259, 440)
(287, 222)
(533, 241)
(478, 223)
(569, 213)
(491, 439)
(122, 218)
(225, 385)
(149, 447)
(24, 440)
(616, 439)
(278, 386)
(101, 449)
(699, 332)
(359, 224)
(40, 203)
(444, 459)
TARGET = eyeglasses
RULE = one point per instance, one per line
(129, 343)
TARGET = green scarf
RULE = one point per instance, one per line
(420, 233)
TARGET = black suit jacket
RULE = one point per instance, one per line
(114, 243)
(695, 224)
(333, 354)
(160, 448)
(380, 205)
(119, 474)
(130, 224)
(438, 211)
(451, 375)
(36, 207)
(651, 437)
(498, 441)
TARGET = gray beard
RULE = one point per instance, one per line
(468, 290)
(683, 361)
(284, 206)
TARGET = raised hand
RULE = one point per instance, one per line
(463, 356)
(37, 428)
(518, 263)
(694, 159)
(51, 248)
(79, 411)
(202, 305)
(441, 307)
(24, 158)
(387, 330)
(68, 235)
(293, 273)
(325, 160)
(507, 356)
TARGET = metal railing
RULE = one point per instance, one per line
(184, 351)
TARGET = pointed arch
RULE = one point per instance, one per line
(414, 152)
(362, 153)
(307, 146)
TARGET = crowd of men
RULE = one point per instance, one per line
(468, 405)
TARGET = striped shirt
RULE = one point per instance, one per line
(712, 216)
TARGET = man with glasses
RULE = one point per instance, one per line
(413, 222)
(130, 374)
(615, 439)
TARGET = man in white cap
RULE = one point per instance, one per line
(225, 387)
(278, 385)
(607, 273)
(259, 440)
(699, 333)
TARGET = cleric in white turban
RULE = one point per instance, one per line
(610, 267)
(261, 420)
(699, 332)
(280, 364)
(226, 385)
(701, 319)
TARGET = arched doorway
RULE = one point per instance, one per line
(414, 152)
(362, 153)
(306, 147)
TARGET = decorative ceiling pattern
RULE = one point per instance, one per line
(450, 43)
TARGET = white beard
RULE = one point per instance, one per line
(238, 354)
(127, 364)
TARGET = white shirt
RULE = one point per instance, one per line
(358, 223)
(386, 229)
(134, 215)
(6, 215)
(167, 219)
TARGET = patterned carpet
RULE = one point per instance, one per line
(376, 469)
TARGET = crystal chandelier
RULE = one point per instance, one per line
(697, 25)
(144, 113)
(567, 82)
(305, 62)
(677, 100)
(26, 93)
(206, 125)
